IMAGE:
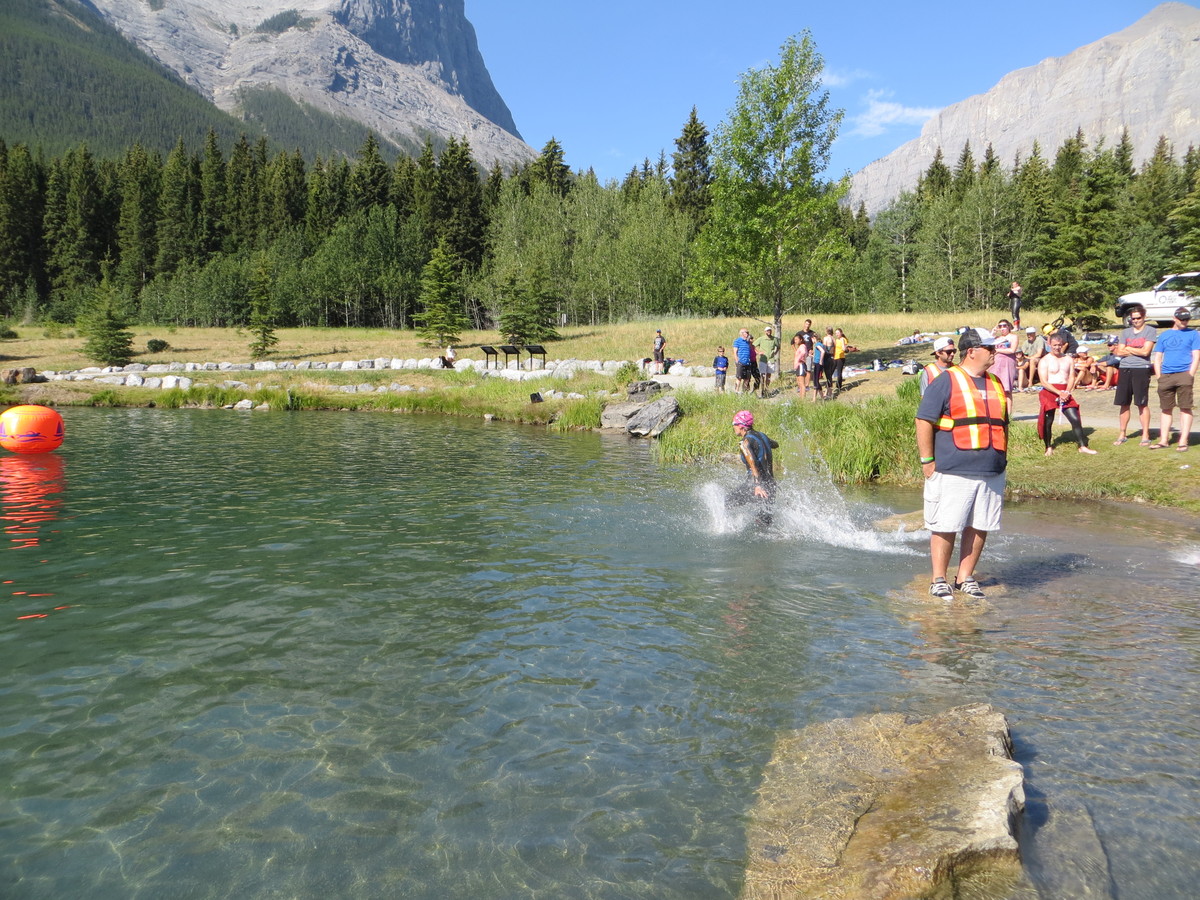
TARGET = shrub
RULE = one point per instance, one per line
(154, 345)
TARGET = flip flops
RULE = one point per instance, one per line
(1119, 441)
(1157, 447)
(1146, 443)
(1181, 448)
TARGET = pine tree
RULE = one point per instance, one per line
(937, 180)
(991, 163)
(1185, 219)
(262, 308)
(241, 197)
(370, 178)
(459, 204)
(1147, 249)
(1081, 260)
(138, 219)
(691, 178)
(22, 200)
(964, 171)
(441, 319)
(72, 223)
(106, 328)
(527, 310)
(285, 196)
(212, 230)
(178, 211)
(551, 170)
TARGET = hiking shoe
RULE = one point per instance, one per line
(941, 589)
(971, 588)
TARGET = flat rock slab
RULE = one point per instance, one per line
(918, 590)
(889, 806)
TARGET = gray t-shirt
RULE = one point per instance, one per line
(1136, 339)
(1034, 347)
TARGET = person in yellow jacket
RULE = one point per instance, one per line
(962, 443)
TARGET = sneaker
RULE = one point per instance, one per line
(971, 588)
(941, 589)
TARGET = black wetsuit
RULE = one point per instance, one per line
(760, 447)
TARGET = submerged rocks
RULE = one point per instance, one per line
(887, 807)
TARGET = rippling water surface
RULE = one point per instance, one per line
(379, 655)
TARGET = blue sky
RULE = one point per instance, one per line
(614, 81)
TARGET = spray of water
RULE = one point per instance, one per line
(1188, 556)
(808, 507)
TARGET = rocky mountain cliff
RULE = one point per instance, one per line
(1145, 78)
(408, 69)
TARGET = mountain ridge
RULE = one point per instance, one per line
(406, 69)
(1145, 77)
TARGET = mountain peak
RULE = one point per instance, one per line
(1144, 78)
(407, 69)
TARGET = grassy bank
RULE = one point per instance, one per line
(866, 436)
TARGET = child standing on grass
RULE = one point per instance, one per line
(721, 367)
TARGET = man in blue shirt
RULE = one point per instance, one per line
(1176, 358)
(743, 349)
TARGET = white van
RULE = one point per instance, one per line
(1167, 296)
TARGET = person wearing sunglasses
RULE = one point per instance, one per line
(1134, 349)
(962, 444)
(943, 358)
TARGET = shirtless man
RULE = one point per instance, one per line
(1058, 373)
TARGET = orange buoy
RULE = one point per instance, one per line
(30, 429)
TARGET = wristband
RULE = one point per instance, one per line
(926, 459)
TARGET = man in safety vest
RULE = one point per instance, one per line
(962, 440)
(943, 358)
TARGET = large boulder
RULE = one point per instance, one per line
(888, 806)
(655, 417)
(617, 415)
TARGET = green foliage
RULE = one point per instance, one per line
(627, 373)
(157, 345)
(579, 414)
(771, 242)
(692, 165)
(106, 398)
(106, 329)
(442, 319)
(527, 311)
(281, 22)
(262, 311)
(81, 80)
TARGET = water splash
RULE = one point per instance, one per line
(1189, 556)
(807, 508)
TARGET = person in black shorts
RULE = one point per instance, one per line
(1134, 349)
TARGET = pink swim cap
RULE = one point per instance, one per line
(745, 417)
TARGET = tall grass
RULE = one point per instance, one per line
(859, 442)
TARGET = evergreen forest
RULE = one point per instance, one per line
(233, 232)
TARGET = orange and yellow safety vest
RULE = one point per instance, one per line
(977, 418)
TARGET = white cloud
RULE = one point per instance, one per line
(833, 78)
(881, 114)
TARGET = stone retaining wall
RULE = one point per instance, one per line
(167, 376)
